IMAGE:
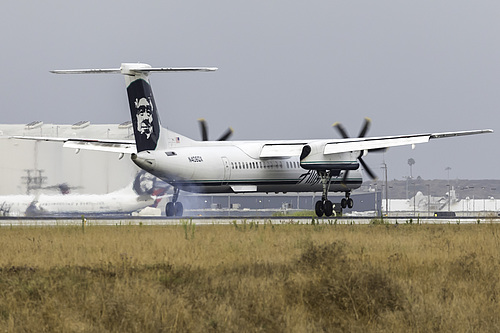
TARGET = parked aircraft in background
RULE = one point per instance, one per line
(146, 190)
(321, 165)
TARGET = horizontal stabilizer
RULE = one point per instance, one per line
(133, 68)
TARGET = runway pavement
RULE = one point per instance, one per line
(133, 220)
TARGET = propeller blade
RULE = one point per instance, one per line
(367, 169)
(341, 130)
(362, 133)
(203, 128)
(226, 135)
(364, 129)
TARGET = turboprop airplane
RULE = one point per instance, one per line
(320, 165)
(143, 192)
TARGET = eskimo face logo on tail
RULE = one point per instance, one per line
(144, 115)
(144, 183)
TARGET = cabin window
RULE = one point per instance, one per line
(171, 153)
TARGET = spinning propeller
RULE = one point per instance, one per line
(362, 133)
(63, 188)
(204, 131)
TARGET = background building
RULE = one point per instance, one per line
(29, 164)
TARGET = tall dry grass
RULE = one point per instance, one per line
(250, 278)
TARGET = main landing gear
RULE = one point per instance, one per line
(347, 201)
(325, 206)
(173, 207)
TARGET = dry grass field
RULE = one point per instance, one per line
(250, 277)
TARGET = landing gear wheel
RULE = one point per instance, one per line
(174, 208)
(350, 203)
(179, 209)
(319, 208)
(328, 208)
(343, 203)
(169, 209)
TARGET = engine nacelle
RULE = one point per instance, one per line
(313, 158)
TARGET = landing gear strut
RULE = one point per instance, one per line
(174, 208)
(325, 206)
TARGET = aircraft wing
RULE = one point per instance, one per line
(115, 146)
(287, 149)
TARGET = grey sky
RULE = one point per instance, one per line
(287, 69)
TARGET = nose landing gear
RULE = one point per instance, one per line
(174, 208)
(347, 202)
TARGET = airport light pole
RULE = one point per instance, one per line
(449, 196)
(411, 161)
(484, 201)
(449, 187)
(384, 166)
(414, 200)
(473, 200)
(428, 199)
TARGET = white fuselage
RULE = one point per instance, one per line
(118, 202)
(235, 167)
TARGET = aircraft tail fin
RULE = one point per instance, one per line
(143, 111)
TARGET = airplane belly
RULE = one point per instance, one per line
(196, 169)
(172, 168)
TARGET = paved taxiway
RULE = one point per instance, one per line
(41, 222)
